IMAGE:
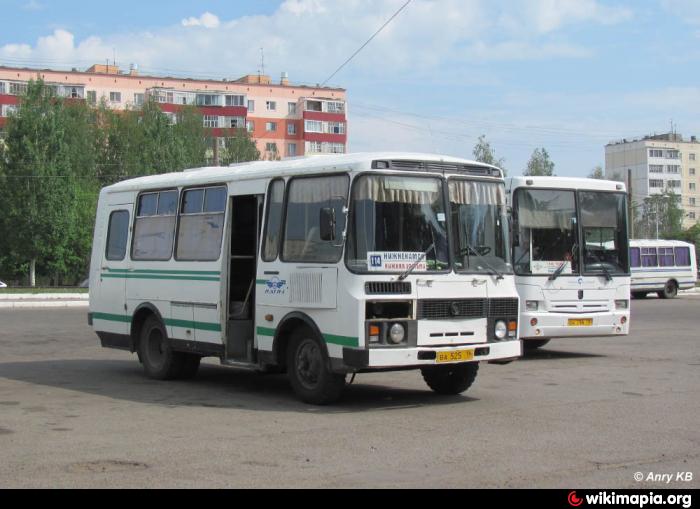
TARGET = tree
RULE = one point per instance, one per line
(239, 148)
(539, 164)
(660, 216)
(485, 154)
(597, 173)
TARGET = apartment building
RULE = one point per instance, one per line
(652, 164)
(285, 120)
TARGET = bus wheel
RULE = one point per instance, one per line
(452, 379)
(534, 344)
(309, 375)
(669, 291)
(159, 360)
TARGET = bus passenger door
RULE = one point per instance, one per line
(246, 219)
(109, 309)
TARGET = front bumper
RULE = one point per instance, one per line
(555, 325)
(399, 358)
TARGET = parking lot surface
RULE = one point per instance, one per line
(578, 413)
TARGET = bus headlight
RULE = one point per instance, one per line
(531, 305)
(397, 333)
(622, 304)
(501, 329)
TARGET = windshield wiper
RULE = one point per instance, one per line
(559, 270)
(608, 276)
(469, 248)
(415, 264)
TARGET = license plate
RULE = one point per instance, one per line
(583, 322)
(455, 356)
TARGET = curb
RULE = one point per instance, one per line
(44, 304)
(39, 297)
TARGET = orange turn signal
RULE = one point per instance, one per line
(374, 330)
(512, 325)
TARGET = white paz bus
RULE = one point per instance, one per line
(663, 267)
(323, 267)
(570, 256)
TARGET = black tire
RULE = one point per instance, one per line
(308, 370)
(533, 344)
(159, 361)
(190, 366)
(452, 379)
(670, 290)
(639, 295)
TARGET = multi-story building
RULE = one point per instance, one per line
(284, 120)
(654, 164)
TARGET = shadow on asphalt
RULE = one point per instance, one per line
(544, 354)
(214, 387)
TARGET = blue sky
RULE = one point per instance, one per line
(567, 75)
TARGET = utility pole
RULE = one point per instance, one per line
(630, 212)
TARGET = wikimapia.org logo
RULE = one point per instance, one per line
(637, 500)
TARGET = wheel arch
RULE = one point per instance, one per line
(141, 314)
(290, 323)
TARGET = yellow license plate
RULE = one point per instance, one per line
(584, 322)
(455, 356)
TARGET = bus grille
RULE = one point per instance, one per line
(500, 308)
(441, 309)
(387, 288)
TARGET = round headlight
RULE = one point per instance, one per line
(396, 333)
(501, 329)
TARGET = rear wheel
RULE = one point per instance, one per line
(308, 370)
(669, 291)
(452, 379)
(534, 344)
(159, 360)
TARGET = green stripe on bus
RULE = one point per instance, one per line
(183, 272)
(111, 318)
(330, 338)
(153, 276)
(185, 324)
(261, 281)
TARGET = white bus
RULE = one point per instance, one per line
(322, 266)
(570, 256)
(662, 266)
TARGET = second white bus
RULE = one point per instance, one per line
(570, 256)
(662, 267)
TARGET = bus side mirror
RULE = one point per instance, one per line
(327, 224)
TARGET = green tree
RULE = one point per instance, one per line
(239, 148)
(485, 154)
(597, 173)
(539, 164)
(660, 216)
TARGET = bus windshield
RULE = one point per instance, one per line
(546, 239)
(479, 226)
(604, 226)
(395, 222)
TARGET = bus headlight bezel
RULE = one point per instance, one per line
(396, 334)
(500, 330)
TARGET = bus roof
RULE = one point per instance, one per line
(285, 167)
(658, 243)
(565, 183)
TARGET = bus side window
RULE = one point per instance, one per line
(117, 235)
(273, 220)
(154, 227)
(683, 257)
(201, 224)
(635, 260)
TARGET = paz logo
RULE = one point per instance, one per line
(275, 286)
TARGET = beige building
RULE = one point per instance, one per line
(654, 164)
(284, 119)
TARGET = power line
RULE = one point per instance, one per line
(367, 42)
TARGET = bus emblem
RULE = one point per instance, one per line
(275, 286)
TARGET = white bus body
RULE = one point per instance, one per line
(662, 266)
(570, 288)
(299, 261)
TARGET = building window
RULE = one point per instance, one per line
(314, 106)
(291, 150)
(250, 125)
(672, 168)
(691, 171)
(18, 88)
(292, 108)
(313, 146)
(291, 129)
(691, 201)
(336, 107)
(656, 168)
(234, 122)
(234, 100)
(2, 87)
(271, 127)
(656, 153)
(673, 154)
(673, 184)
(139, 99)
(313, 126)
(656, 183)
(207, 100)
(115, 97)
(271, 148)
(154, 228)
(251, 106)
(211, 121)
(691, 215)
(691, 157)
(201, 224)
(271, 105)
(336, 128)
(92, 97)
(692, 186)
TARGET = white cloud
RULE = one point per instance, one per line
(206, 20)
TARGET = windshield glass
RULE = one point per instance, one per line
(479, 226)
(545, 239)
(604, 225)
(394, 221)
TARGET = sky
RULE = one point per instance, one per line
(565, 75)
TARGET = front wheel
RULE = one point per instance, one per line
(308, 370)
(450, 380)
(669, 291)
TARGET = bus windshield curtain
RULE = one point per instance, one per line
(469, 192)
(544, 214)
(412, 191)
